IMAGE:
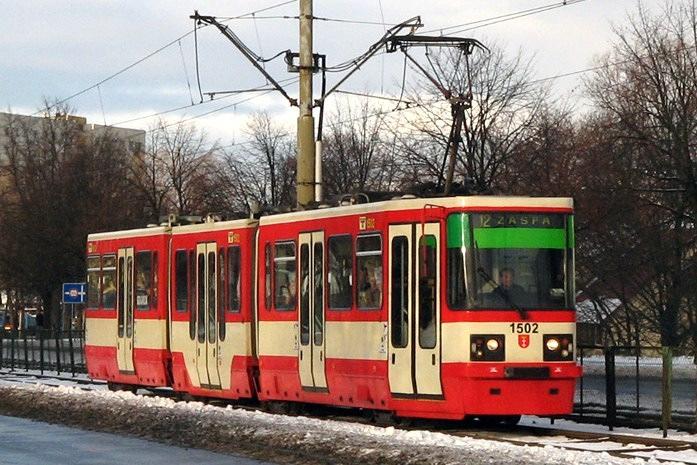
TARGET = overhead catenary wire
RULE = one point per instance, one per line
(379, 97)
(382, 58)
(186, 73)
(409, 105)
(429, 103)
(195, 117)
(337, 68)
(261, 49)
(465, 27)
(358, 118)
(147, 57)
(316, 18)
(417, 105)
(440, 101)
(101, 104)
(231, 94)
(475, 24)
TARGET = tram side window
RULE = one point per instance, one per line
(181, 268)
(201, 297)
(399, 313)
(221, 293)
(305, 294)
(192, 295)
(211, 297)
(318, 271)
(143, 280)
(233, 278)
(122, 298)
(93, 275)
(340, 276)
(267, 276)
(369, 271)
(284, 276)
(109, 282)
(128, 299)
(457, 291)
(154, 280)
(427, 292)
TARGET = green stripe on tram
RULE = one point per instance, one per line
(458, 231)
(520, 238)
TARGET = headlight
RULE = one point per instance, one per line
(492, 344)
(552, 344)
(558, 347)
(487, 347)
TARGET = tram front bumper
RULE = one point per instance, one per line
(518, 389)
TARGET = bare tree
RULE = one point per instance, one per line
(149, 177)
(262, 170)
(184, 155)
(357, 156)
(269, 149)
(59, 182)
(647, 90)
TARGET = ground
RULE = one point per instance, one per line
(274, 438)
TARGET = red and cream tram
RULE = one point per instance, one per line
(434, 308)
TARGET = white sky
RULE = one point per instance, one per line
(53, 49)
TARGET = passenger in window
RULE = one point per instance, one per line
(285, 295)
(369, 286)
(142, 290)
(108, 292)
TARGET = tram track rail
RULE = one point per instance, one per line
(615, 444)
(621, 445)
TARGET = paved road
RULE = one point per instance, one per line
(26, 442)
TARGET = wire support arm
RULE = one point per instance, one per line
(253, 58)
(412, 24)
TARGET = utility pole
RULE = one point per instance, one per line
(306, 122)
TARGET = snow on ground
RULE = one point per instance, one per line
(568, 425)
(276, 437)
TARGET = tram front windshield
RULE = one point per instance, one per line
(510, 261)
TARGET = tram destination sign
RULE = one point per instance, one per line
(74, 293)
(518, 220)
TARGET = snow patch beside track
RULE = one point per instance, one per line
(277, 438)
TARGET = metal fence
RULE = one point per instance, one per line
(621, 386)
(624, 386)
(43, 350)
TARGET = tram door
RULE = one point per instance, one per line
(414, 321)
(311, 353)
(124, 296)
(206, 316)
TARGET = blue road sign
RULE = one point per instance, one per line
(74, 293)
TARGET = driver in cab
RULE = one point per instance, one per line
(508, 289)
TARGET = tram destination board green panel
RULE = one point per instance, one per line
(520, 238)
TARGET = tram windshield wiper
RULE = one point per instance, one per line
(503, 294)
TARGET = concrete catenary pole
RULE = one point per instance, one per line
(306, 122)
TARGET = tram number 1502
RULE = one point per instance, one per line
(520, 328)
